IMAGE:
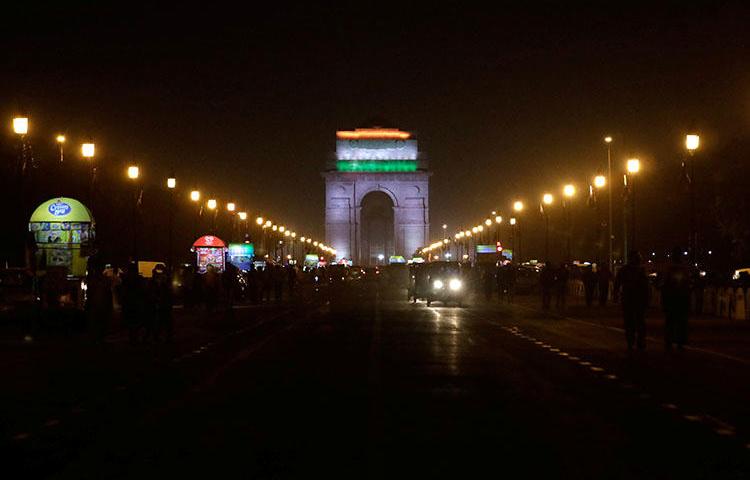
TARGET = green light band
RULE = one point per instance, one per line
(376, 166)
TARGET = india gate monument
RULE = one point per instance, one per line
(377, 196)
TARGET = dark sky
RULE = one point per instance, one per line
(505, 103)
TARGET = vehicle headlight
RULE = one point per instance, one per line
(455, 284)
(438, 284)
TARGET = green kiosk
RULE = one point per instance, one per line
(63, 229)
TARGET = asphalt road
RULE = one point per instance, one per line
(366, 387)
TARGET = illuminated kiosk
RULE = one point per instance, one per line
(377, 195)
(209, 251)
(63, 229)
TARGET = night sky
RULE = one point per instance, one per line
(505, 103)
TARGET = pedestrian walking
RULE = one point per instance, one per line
(561, 286)
(547, 284)
(133, 303)
(675, 299)
(161, 301)
(589, 284)
(631, 286)
(98, 299)
(604, 277)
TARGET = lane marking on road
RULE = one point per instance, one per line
(650, 339)
(611, 376)
(596, 369)
(53, 422)
(22, 436)
(669, 406)
(585, 364)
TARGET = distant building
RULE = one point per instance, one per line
(377, 196)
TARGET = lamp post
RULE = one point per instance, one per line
(600, 181)
(518, 207)
(692, 142)
(231, 207)
(513, 231)
(211, 205)
(569, 192)
(171, 185)
(633, 166)
(547, 200)
(88, 150)
(195, 197)
(608, 142)
(133, 174)
(60, 139)
(21, 128)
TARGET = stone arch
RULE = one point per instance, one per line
(379, 188)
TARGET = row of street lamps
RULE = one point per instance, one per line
(632, 168)
(277, 233)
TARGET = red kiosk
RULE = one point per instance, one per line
(209, 251)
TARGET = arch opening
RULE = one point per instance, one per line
(377, 234)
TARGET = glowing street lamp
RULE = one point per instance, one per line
(633, 165)
(242, 215)
(513, 221)
(88, 150)
(600, 181)
(171, 183)
(518, 205)
(692, 142)
(231, 207)
(259, 220)
(488, 222)
(498, 219)
(134, 172)
(569, 190)
(195, 195)
(211, 204)
(547, 200)
(267, 224)
(21, 125)
(60, 139)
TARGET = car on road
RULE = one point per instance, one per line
(439, 282)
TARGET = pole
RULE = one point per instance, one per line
(609, 222)
(693, 240)
(546, 237)
(632, 214)
(566, 207)
(170, 255)
(134, 222)
(625, 218)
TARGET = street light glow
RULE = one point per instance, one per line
(607, 139)
(633, 165)
(133, 172)
(211, 204)
(274, 228)
(513, 221)
(171, 182)
(268, 223)
(488, 222)
(474, 230)
(600, 181)
(21, 125)
(547, 199)
(242, 215)
(259, 220)
(231, 206)
(282, 228)
(287, 233)
(195, 195)
(60, 138)
(87, 150)
(692, 142)
(518, 205)
(569, 190)
(315, 243)
(309, 240)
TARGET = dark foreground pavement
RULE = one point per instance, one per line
(373, 388)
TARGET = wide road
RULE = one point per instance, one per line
(378, 388)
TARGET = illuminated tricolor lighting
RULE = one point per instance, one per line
(373, 134)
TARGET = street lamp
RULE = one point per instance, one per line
(608, 141)
(692, 142)
(547, 200)
(171, 185)
(259, 220)
(569, 191)
(21, 125)
(513, 233)
(518, 206)
(133, 173)
(600, 181)
(632, 166)
(195, 195)
(88, 151)
(60, 139)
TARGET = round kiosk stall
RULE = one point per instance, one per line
(210, 251)
(63, 229)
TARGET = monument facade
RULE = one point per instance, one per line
(377, 196)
